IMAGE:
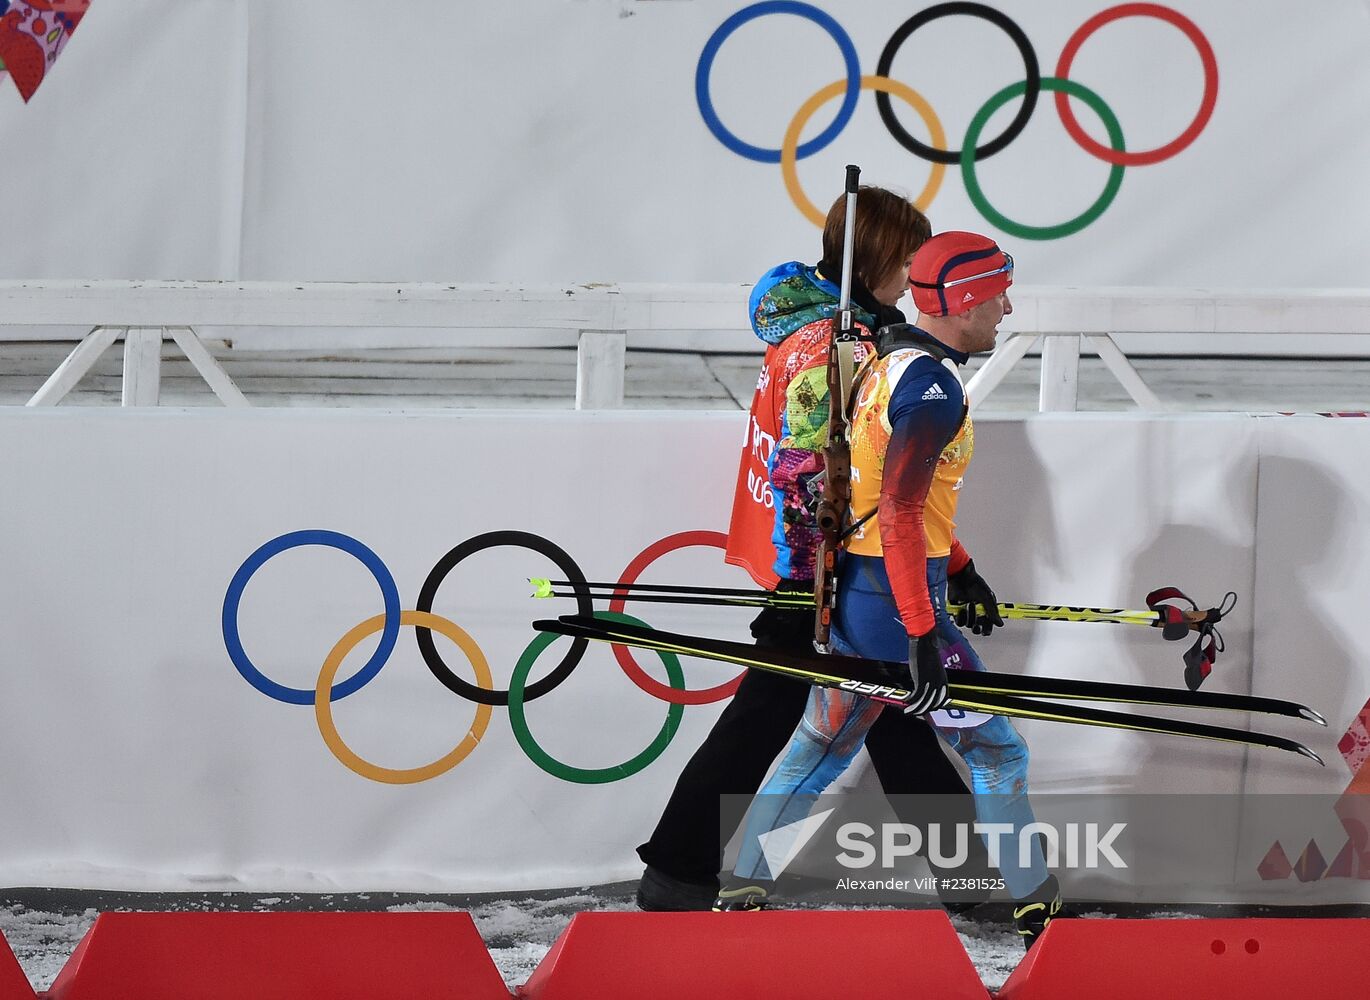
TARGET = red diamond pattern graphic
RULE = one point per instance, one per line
(33, 34)
(1353, 860)
(1275, 865)
(1345, 864)
(1311, 863)
(1355, 742)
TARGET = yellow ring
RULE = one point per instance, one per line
(884, 85)
(323, 710)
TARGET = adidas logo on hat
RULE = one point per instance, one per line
(934, 392)
(968, 296)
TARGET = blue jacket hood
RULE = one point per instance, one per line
(793, 295)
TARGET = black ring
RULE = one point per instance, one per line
(489, 540)
(1034, 80)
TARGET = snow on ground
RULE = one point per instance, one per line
(43, 940)
(518, 931)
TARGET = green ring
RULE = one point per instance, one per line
(583, 775)
(1003, 222)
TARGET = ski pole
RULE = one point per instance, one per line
(736, 597)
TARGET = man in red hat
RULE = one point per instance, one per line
(911, 441)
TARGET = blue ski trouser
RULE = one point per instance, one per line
(835, 723)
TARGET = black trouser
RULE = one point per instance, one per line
(752, 731)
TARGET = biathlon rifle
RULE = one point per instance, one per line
(832, 508)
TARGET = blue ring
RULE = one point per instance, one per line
(254, 562)
(706, 63)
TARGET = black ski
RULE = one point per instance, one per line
(972, 690)
(1071, 689)
(1029, 708)
(1063, 688)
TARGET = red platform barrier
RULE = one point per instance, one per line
(14, 985)
(795, 955)
(1250, 959)
(280, 956)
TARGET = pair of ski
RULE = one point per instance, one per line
(971, 690)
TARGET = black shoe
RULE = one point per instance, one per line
(742, 897)
(963, 907)
(658, 891)
(962, 889)
(1032, 915)
(960, 901)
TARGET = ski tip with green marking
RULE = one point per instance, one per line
(541, 587)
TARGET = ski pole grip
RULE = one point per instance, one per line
(853, 178)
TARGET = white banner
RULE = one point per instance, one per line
(175, 583)
(140, 755)
(627, 140)
(1311, 581)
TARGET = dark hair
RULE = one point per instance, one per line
(889, 227)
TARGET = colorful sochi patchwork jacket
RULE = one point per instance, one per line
(773, 533)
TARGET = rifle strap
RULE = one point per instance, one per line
(846, 365)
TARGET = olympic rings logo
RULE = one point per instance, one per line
(482, 693)
(971, 152)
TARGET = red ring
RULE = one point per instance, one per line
(624, 655)
(1210, 96)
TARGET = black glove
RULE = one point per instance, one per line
(969, 588)
(928, 674)
(788, 628)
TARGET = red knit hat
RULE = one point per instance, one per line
(955, 271)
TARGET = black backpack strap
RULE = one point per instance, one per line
(890, 338)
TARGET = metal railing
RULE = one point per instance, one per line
(287, 316)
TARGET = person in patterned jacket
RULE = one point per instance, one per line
(772, 536)
(911, 441)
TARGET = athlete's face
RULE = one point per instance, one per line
(892, 289)
(981, 324)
